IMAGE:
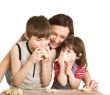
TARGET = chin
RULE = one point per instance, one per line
(53, 46)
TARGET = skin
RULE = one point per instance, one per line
(65, 73)
(58, 35)
(20, 72)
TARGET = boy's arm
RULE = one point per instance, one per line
(47, 68)
(18, 72)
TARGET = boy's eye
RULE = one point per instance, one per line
(69, 51)
(38, 39)
(53, 33)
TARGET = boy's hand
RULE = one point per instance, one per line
(36, 56)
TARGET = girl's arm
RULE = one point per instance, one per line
(74, 82)
(62, 77)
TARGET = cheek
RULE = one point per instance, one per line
(51, 37)
(62, 40)
(35, 44)
(72, 56)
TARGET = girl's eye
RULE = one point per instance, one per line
(63, 50)
(69, 51)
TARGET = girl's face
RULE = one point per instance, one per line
(68, 54)
(35, 42)
(59, 34)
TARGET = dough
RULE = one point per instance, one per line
(14, 91)
(87, 89)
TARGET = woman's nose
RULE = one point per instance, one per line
(57, 40)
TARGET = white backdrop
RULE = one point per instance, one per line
(91, 23)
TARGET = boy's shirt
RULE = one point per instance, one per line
(30, 82)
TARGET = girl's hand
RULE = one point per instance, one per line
(61, 59)
(68, 68)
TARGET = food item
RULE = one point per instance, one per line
(14, 91)
(87, 89)
(45, 54)
(52, 90)
(66, 57)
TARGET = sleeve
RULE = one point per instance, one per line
(80, 72)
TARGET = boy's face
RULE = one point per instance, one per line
(38, 42)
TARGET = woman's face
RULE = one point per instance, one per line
(59, 34)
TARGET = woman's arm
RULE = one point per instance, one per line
(6, 62)
(89, 83)
(4, 65)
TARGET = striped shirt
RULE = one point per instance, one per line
(79, 71)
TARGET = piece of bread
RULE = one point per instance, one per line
(46, 55)
(87, 89)
(66, 57)
(14, 91)
(52, 90)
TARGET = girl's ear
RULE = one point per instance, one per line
(80, 54)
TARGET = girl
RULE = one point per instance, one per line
(71, 64)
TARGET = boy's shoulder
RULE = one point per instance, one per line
(22, 42)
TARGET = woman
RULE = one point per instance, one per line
(61, 27)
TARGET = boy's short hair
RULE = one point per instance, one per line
(38, 26)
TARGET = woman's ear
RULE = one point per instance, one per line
(80, 54)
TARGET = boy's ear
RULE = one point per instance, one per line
(25, 35)
(80, 54)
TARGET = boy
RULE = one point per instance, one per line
(28, 58)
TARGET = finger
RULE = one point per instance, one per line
(93, 84)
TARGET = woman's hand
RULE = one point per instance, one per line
(92, 85)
